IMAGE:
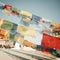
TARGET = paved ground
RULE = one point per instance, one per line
(5, 56)
(11, 54)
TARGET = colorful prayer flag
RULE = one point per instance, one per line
(6, 25)
(35, 18)
(55, 24)
(25, 13)
(6, 12)
(23, 30)
(50, 42)
(1, 21)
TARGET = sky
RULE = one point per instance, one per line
(48, 9)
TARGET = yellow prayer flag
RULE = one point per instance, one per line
(25, 31)
(55, 24)
(6, 12)
(25, 13)
(1, 21)
(7, 35)
(6, 25)
(26, 19)
(20, 40)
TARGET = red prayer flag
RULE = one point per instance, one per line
(50, 41)
(7, 6)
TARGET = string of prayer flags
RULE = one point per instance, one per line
(26, 16)
(12, 27)
(8, 10)
(19, 39)
(25, 42)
